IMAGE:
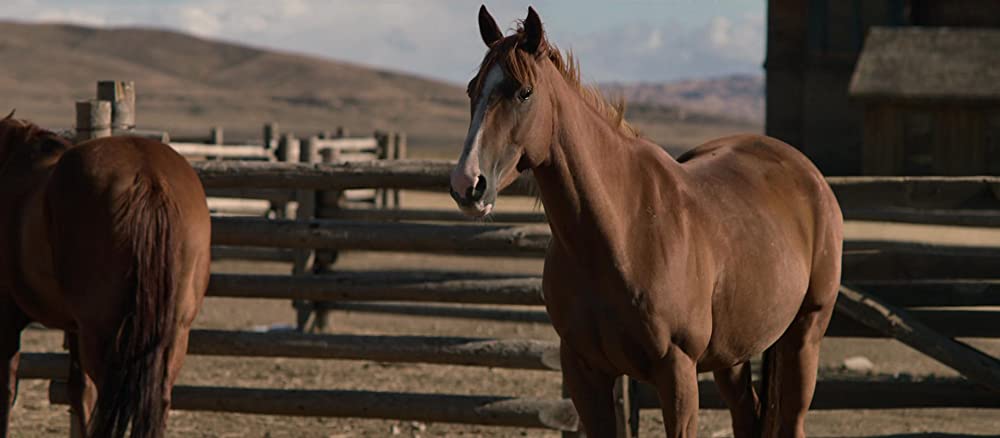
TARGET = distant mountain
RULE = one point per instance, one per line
(738, 97)
(186, 85)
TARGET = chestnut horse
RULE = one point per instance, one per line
(658, 269)
(109, 241)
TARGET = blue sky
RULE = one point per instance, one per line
(630, 40)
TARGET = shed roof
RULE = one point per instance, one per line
(929, 63)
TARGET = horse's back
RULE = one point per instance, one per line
(755, 172)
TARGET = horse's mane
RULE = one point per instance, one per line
(517, 64)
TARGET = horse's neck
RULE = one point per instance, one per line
(593, 180)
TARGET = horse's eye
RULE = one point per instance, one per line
(524, 94)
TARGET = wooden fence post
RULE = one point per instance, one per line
(93, 119)
(121, 95)
(305, 258)
(327, 206)
(399, 152)
(282, 152)
(383, 151)
(217, 135)
(270, 135)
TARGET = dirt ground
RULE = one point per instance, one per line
(33, 416)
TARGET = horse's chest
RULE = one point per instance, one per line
(606, 319)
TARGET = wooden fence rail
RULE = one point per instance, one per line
(946, 200)
(463, 409)
(551, 414)
(497, 353)
(471, 288)
(857, 191)
(382, 286)
(902, 325)
(950, 323)
(863, 260)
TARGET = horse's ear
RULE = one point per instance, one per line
(9, 116)
(534, 35)
(488, 28)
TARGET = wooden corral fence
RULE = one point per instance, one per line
(924, 295)
(904, 290)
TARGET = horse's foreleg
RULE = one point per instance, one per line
(592, 392)
(737, 391)
(12, 321)
(676, 381)
(82, 391)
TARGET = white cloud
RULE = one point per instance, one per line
(66, 15)
(198, 20)
(739, 40)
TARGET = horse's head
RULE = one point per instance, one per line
(11, 136)
(15, 135)
(512, 120)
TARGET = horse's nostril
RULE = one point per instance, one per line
(476, 193)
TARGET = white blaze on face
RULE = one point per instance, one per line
(468, 163)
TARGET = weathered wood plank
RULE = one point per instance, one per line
(934, 293)
(496, 353)
(473, 288)
(898, 323)
(925, 262)
(274, 195)
(238, 207)
(330, 234)
(879, 392)
(222, 151)
(465, 409)
(921, 192)
(382, 286)
(252, 253)
(360, 144)
(867, 260)
(951, 323)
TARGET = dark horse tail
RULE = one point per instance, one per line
(766, 417)
(134, 389)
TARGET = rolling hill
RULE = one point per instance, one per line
(187, 84)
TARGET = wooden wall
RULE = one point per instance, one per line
(931, 139)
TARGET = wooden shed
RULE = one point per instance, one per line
(931, 101)
(812, 49)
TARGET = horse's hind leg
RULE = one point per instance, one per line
(737, 390)
(792, 375)
(81, 387)
(592, 392)
(12, 321)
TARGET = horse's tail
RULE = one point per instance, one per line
(134, 388)
(767, 420)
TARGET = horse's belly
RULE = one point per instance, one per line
(746, 322)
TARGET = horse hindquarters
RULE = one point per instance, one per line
(119, 266)
(790, 365)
